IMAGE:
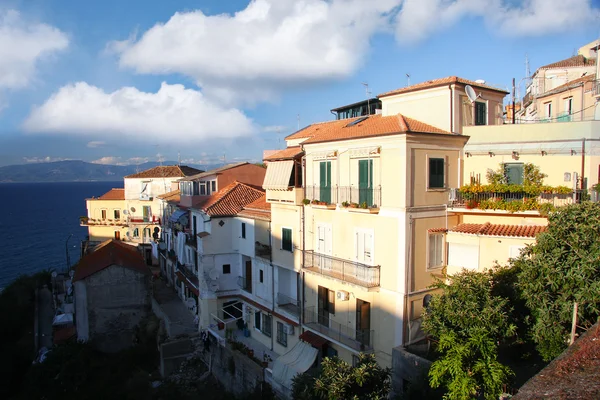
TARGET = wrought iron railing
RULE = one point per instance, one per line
(288, 303)
(344, 270)
(341, 194)
(458, 199)
(358, 339)
(262, 250)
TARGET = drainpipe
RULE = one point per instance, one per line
(408, 281)
(303, 225)
(582, 163)
(451, 108)
(272, 283)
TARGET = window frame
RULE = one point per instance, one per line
(267, 324)
(227, 270)
(443, 174)
(243, 230)
(442, 264)
(202, 188)
(261, 275)
(478, 105)
(117, 214)
(291, 246)
(282, 336)
(103, 213)
(136, 233)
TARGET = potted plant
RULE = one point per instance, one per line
(306, 202)
(354, 205)
(345, 204)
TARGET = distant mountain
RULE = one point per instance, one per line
(74, 171)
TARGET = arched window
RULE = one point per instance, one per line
(136, 232)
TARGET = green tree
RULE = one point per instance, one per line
(562, 268)
(470, 321)
(337, 379)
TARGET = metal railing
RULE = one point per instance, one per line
(288, 304)
(348, 271)
(189, 274)
(457, 199)
(245, 284)
(341, 194)
(102, 222)
(262, 250)
(596, 87)
(358, 339)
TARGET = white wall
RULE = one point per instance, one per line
(263, 290)
(81, 311)
(245, 246)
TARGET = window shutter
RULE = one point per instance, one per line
(331, 301)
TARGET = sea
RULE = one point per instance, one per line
(39, 225)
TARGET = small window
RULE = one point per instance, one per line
(257, 320)
(267, 325)
(261, 275)
(103, 214)
(243, 230)
(281, 334)
(117, 214)
(214, 186)
(480, 113)
(548, 108)
(436, 250)
(226, 268)
(436, 173)
(286, 239)
(136, 233)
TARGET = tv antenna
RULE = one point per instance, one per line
(368, 93)
(407, 79)
(298, 118)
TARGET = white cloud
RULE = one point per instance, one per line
(274, 129)
(23, 44)
(46, 159)
(95, 143)
(108, 160)
(419, 19)
(254, 53)
(174, 113)
(137, 160)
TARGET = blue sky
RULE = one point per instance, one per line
(117, 81)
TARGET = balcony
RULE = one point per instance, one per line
(360, 340)
(564, 117)
(288, 304)
(345, 194)
(191, 241)
(189, 274)
(245, 283)
(85, 221)
(143, 220)
(347, 271)
(262, 250)
(512, 202)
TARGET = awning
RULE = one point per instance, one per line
(296, 361)
(313, 339)
(278, 175)
(177, 215)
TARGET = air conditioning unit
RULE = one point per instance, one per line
(342, 295)
(289, 329)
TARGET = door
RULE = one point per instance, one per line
(325, 305)
(324, 246)
(248, 277)
(117, 235)
(363, 322)
(146, 211)
(365, 182)
(325, 181)
(364, 255)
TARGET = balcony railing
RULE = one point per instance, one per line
(486, 200)
(245, 284)
(564, 117)
(262, 250)
(189, 274)
(344, 270)
(596, 87)
(358, 339)
(84, 221)
(341, 194)
(143, 220)
(288, 304)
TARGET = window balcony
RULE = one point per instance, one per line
(360, 340)
(345, 194)
(517, 201)
(344, 270)
(262, 250)
(288, 304)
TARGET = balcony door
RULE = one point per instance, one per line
(363, 322)
(325, 181)
(325, 305)
(323, 246)
(363, 245)
(365, 182)
(248, 276)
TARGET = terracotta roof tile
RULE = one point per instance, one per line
(437, 230)
(258, 209)
(230, 200)
(214, 171)
(285, 154)
(488, 229)
(372, 126)
(166, 171)
(111, 252)
(172, 197)
(439, 82)
(113, 194)
(569, 85)
(575, 61)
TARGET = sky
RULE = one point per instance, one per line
(207, 81)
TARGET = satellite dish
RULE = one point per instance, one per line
(54, 274)
(471, 93)
(132, 209)
(125, 212)
(213, 274)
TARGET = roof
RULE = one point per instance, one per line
(166, 171)
(110, 252)
(258, 209)
(488, 229)
(441, 82)
(364, 127)
(213, 171)
(575, 61)
(172, 196)
(286, 154)
(113, 194)
(437, 230)
(358, 103)
(573, 375)
(230, 200)
(569, 85)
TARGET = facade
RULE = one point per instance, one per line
(112, 295)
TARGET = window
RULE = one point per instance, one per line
(214, 186)
(136, 233)
(436, 250)
(569, 105)
(226, 268)
(548, 108)
(436, 173)
(281, 334)
(326, 301)
(514, 173)
(103, 214)
(257, 320)
(267, 322)
(243, 230)
(202, 188)
(286, 239)
(261, 275)
(117, 214)
(147, 232)
(480, 113)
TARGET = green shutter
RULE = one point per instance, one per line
(480, 113)
(514, 173)
(286, 239)
(325, 181)
(436, 173)
(365, 182)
